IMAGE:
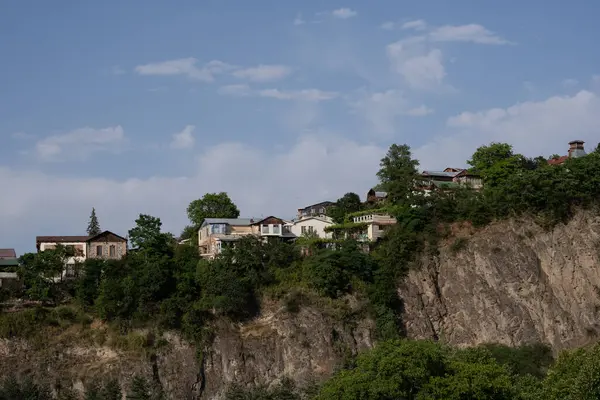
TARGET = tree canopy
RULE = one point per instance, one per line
(212, 205)
(397, 173)
(93, 228)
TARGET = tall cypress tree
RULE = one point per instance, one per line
(93, 228)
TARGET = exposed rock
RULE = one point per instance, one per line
(511, 282)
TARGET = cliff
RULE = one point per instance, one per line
(305, 345)
(511, 282)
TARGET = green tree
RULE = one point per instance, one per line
(397, 173)
(93, 228)
(348, 203)
(486, 157)
(212, 205)
(39, 271)
(146, 231)
(140, 389)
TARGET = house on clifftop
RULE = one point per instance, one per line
(576, 150)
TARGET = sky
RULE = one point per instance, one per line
(142, 106)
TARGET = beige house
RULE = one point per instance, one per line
(106, 245)
(376, 225)
(216, 233)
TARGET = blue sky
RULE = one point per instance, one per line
(136, 106)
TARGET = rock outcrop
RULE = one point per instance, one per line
(511, 282)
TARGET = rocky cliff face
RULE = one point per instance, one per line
(305, 346)
(511, 282)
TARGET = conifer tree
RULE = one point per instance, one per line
(111, 390)
(139, 389)
(93, 228)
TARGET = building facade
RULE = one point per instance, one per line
(311, 226)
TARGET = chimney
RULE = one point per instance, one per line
(576, 149)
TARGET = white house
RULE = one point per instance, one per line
(312, 224)
(77, 243)
(376, 225)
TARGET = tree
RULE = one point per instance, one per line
(212, 205)
(146, 231)
(397, 173)
(486, 157)
(93, 228)
(348, 203)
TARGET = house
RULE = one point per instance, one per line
(9, 278)
(273, 227)
(216, 233)
(576, 150)
(106, 245)
(449, 178)
(319, 209)
(8, 253)
(375, 226)
(312, 225)
(470, 179)
(374, 197)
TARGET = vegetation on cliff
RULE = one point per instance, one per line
(167, 286)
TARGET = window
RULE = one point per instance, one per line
(311, 229)
(303, 229)
(265, 229)
(99, 251)
(276, 229)
(112, 250)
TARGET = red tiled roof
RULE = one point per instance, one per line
(557, 161)
(8, 253)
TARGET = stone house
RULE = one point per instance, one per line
(106, 245)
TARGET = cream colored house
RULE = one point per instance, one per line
(310, 225)
(216, 233)
(77, 243)
(376, 225)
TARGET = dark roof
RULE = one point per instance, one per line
(269, 217)
(576, 141)
(229, 221)
(321, 204)
(8, 253)
(61, 239)
(104, 233)
(9, 262)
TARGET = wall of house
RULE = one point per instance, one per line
(120, 249)
(317, 224)
(79, 247)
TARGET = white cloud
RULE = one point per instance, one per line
(388, 25)
(247, 173)
(187, 67)
(263, 73)
(344, 13)
(420, 111)
(570, 83)
(474, 33)
(417, 25)
(184, 139)
(80, 143)
(421, 68)
(533, 128)
(241, 90)
(299, 20)
(303, 95)
(116, 70)
(381, 110)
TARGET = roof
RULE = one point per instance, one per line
(8, 253)
(269, 217)
(104, 233)
(9, 262)
(576, 141)
(377, 194)
(229, 221)
(440, 173)
(466, 172)
(557, 161)
(61, 239)
(323, 203)
(315, 217)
